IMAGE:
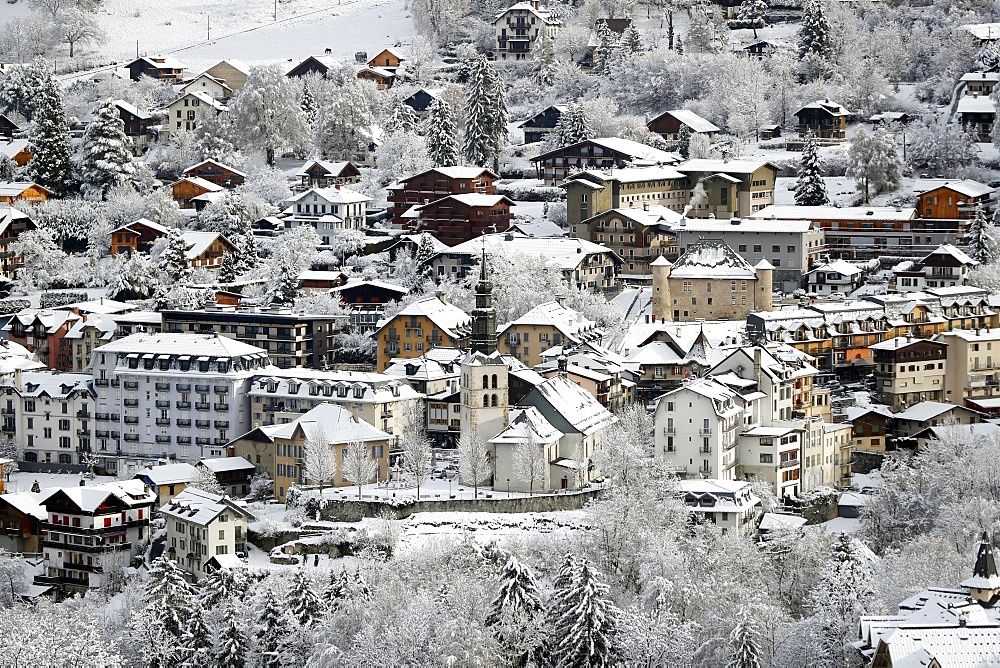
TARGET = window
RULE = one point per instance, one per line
(766, 458)
(756, 248)
(222, 532)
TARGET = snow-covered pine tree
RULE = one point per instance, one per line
(401, 118)
(170, 595)
(8, 168)
(684, 142)
(810, 189)
(753, 14)
(196, 643)
(337, 590)
(442, 135)
(174, 264)
(105, 159)
(703, 32)
(545, 62)
(230, 649)
(607, 41)
(631, 41)
(303, 603)
(227, 268)
(308, 104)
(288, 287)
(815, 33)
(983, 241)
(271, 629)
(49, 140)
(584, 622)
(485, 115)
(518, 593)
(572, 127)
(746, 644)
(219, 588)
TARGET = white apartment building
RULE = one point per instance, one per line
(172, 396)
(772, 454)
(730, 505)
(50, 415)
(329, 210)
(779, 379)
(697, 426)
(520, 29)
(972, 370)
(201, 525)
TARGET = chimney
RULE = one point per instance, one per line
(561, 300)
(756, 363)
(645, 206)
(440, 295)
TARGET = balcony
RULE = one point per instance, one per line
(160, 438)
(115, 434)
(203, 424)
(220, 389)
(183, 387)
(202, 407)
(115, 382)
(161, 403)
(84, 413)
(705, 470)
(704, 432)
(670, 430)
(132, 403)
(83, 432)
(220, 441)
(162, 422)
(101, 382)
(55, 581)
(8, 428)
(788, 464)
(201, 388)
(183, 405)
(114, 417)
(184, 440)
(202, 440)
(184, 422)
(131, 384)
(106, 547)
(704, 451)
(91, 568)
(221, 407)
(163, 387)
(131, 437)
(131, 419)
(222, 424)
(102, 433)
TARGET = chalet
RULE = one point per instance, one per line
(187, 188)
(21, 515)
(458, 218)
(16, 150)
(12, 223)
(977, 113)
(232, 473)
(206, 83)
(434, 184)
(136, 123)
(824, 120)
(984, 32)
(8, 127)
(870, 426)
(163, 68)
(979, 84)
(601, 153)
(12, 192)
(216, 172)
(925, 414)
(313, 65)
(761, 48)
(887, 117)
(167, 480)
(137, 236)
(329, 210)
(668, 124)
(541, 125)
(188, 111)
(945, 266)
(770, 131)
(836, 277)
(364, 298)
(955, 199)
(421, 100)
(382, 78)
(410, 244)
(520, 28)
(231, 72)
(387, 59)
(323, 174)
(206, 249)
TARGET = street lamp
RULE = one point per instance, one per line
(449, 488)
(508, 488)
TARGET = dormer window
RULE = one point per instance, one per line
(327, 390)
(359, 391)
(313, 389)
(342, 391)
(293, 387)
(273, 387)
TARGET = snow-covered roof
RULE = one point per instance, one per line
(361, 386)
(221, 464)
(626, 175)
(235, 64)
(89, 498)
(8, 215)
(163, 61)
(719, 166)
(983, 31)
(636, 150)
(176, 343)
(898, 342)
(828, 106)
(991, 77)
(167, 474)
(752, 225)
(957, 253)
(333, 195)
(544, 15)
(712, 389)
(645, 216)
(199, 242)
(524, 424)
(447, 317)
(971, 104)
(472, 199)
(778, 521)
(203, 97)
(11, 147)
(205, 185)
(28, 503)
(457, 172)
(842, 267)
(206, 75)
(218, 164)
(881, 213)
(353, 282)
(577, 407)
(537, 228)
(717, 495)
(692, 120)
(967, 187)
(925, 410)
(17, 188)
(200, 507)
(711, 258)
(54, 384)
(162, 229)
(328, 422)
(565, 252)
(926, 645)
(332, 168)
(572, 324)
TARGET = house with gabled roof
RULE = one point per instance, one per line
(188, 111)
(167, 480)
(137, 236)
(541, 125)
(16, 150)
(954, 199)
(381, 77)
(945, 266)
(325, 173)
(329, 210)
(313, 64)
(976, 114)
(22, 514)
(232, 72)
(668, 124)
(598, 153)
(546, 325)
(232, 473)
(12, 223)
(421, 100)
(427, 323)
(206, 83)
(435, 183)
(388, 58)
(36, 394)
(834, 277)
(206, 249)
(216, 172)
(455, 219)
(202, 525)
(9, 126)
(187, 190)
(824, 119)
(920, 416)
(12, 192)
(521, 27)
(161, 67)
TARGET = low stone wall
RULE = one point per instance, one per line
(345, 510)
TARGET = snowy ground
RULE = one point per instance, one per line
(431, 490)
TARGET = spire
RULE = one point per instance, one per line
(484, 316)
(984, 585)
(986, 565)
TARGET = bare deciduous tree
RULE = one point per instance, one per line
(358, 466)
(474, 465)
(528, 462)
(319, 461)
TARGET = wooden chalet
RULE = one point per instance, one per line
(887, 117)
(206, 249)
(136, 124)
(163, 68)
(598, 153)
(188, 188)
(135, 237)
(313, 65)
(436, 183)
(541, 125)
(458, 218)
(824, 119)
(668, 124)
(12, 192)
(361, 291)
(8, 128)
(12, 223)
(379, 76)
(231, 72)
(955, 200)
(772, 131)
(324, 174)
(16, 150)
(387, 59)
(216, 172)
(421, 100)
(22, 516)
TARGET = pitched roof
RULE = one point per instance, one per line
(201, 507)
(828, 106)
(925, 410)
(334, 168)
(537, 228)
(957, 253)
(447, 317)
(198, 242)
(215, 162)
(207, 186)
(168, 474)
(690, 119)
(572, 324)
(711, 258)
(718, 166)
(333, 195)
(753, 225)
(527, 424)
(472, 199)
(839, 266)
(171, 343)
(578, 408)
(17, 188)
(162, 229)
(967, 187)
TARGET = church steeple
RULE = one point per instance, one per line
(484, 316)
(984, 585)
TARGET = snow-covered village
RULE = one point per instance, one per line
(499, 333)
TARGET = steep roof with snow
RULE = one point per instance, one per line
(925, 410)
(333, 195)
(527, 424)
(842, 267)
(545, 15)
(202, 508)
(690, 119)
(223, 464)
(332, 168)
(572, 324)
(970, 104)
(199, 242)
(948, 249)
(967, 187)
(167, 474)
(828, 106)
(447, 317)
(569, 407)
(711, 259)
(472, 199)
(537, 228)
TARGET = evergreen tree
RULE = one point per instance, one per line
(219, 588)
(337, 590)
(810, 189)
(745, 640)
(442, 135)
(227, 269)
(631, 41)
(573, 126)
(515, 611)
(684, 142)
(485, 115)
(814, 35)
(584, 623)
(680, 46)
(308, 104)
(288, 287)
(230, 649)
(872, 161)
(8, 168)
(105, 153)
(170, 595)
(401, 118)
(49, 141)
(607, 42)
(174, 264)
(983, 242)
(197, 639)
(703, 32)
(753, 14)
(426, 249)
(303, 603)
(545, 62)
(271, 630)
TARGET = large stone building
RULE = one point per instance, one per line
(710, 281)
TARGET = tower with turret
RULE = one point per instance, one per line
(661, 287)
